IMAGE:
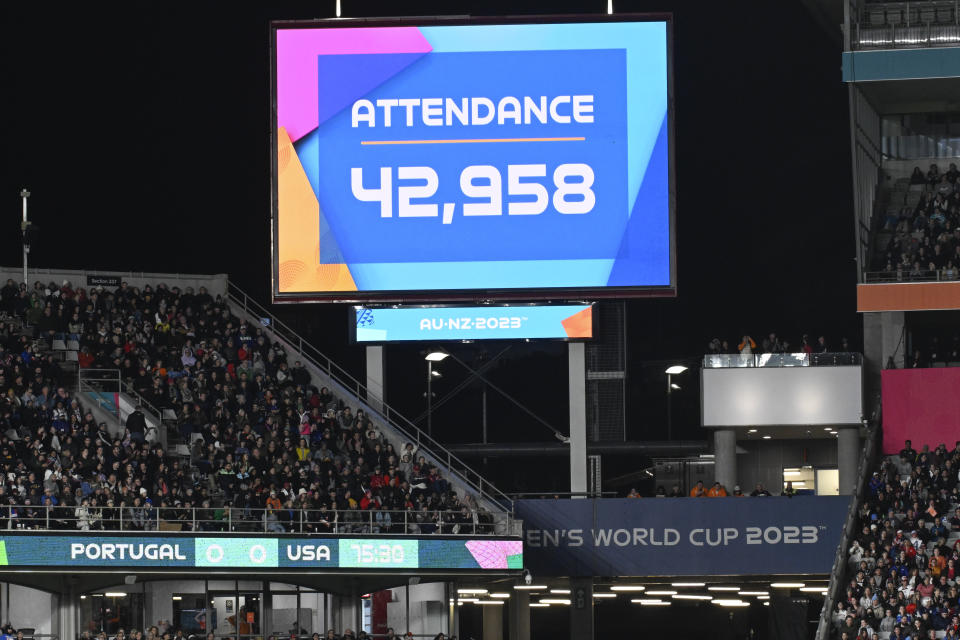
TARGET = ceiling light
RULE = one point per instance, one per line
(675, 369)
(763, 597)
(731, 603)
(691, 596)
(792, 472)
(563, 592)
(177, 598)
(539, 604)
(828, 428)
(604, 595)
(480, 591)
(115, 594)
(674, 385)
(787, 585)
(627, 587)
(462, 600)
(751, 430)
(814, 589)
(83, 597)
(436, 356)
(687, 584)
(647, 602)
(766, 437)
(529, 587)
(489, 602)
(766, 604)
(497, 594)
(755, 593)
(554, 601)
(661, 593)
(723, 588)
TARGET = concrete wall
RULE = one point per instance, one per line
(30, 608)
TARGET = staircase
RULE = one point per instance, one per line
(395, 427)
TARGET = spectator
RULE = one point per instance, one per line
(716, 491)
(759, 490)
(698, 491)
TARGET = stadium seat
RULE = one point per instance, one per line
(58, 345)
(73, 345)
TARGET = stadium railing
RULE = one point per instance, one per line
(867, 460)
(778, 360)
(440, 455)
(243, 520)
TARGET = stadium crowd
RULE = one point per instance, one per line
(267, 446)
(902, 566)
(772, 343)
(925, 244)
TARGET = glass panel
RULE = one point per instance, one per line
(112, 612)
(190, 613)
(828, 482)
(284, 620)
(312, 611)
(248, 615)
(802, 479)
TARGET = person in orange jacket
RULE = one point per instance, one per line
(698, 491)
(717, 491)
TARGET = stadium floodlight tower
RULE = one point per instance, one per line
(433, 356)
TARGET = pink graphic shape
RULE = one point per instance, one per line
(492, 554)
(297, 51)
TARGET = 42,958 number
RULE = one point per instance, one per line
(572, 192)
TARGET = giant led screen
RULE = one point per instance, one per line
(447, 160)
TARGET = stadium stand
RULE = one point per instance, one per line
(265, 448)
(918, 235)
(901, 573)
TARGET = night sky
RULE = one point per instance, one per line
(142, 131)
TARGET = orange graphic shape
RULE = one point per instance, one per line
(580, 324)
(298, 230)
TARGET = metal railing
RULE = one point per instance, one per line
(779, 360)
(434, 451)
(100, 381)
(838, 573)
(248, 520)
(924, 275)
(903, 25)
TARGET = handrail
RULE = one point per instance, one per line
(249, 520)
(780, 360)
(86, 381)
(838, 572)
(391, 416)
(925, 275)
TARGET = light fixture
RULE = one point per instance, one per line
(755, 593)
(604, 595)
(436, 356)
(791, 472)
(766, 604)
(787, 585)
(687, 584)
(763, 597)
(562, 592)
(723, 588)
(674, 385)
(529, 587)
(766, 437)
(828, 428)
(751, 430)
(609, 7)
(177, 598)
(675, 369)
(691, 596)
(462, 600)
(480, 591)
(650, 602)
(814, 589)
(554, 601)
(83, 597)
(731, 603)
(435, 373)
(627, 587)
(489, 602)
(539, 604)
(661, 593)
(115, 594)
(497, 594)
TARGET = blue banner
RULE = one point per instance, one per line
(474, 323)
(682, 536)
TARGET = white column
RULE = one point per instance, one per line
(848, 457)
(519, 616)
(375, 380)
(578, 418)
(725, 458)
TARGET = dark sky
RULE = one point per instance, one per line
(142, 131)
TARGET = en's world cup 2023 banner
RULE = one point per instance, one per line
(473, 159)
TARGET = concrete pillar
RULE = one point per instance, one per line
(67, 619)
(725, 458)
(492, 622)
(581, 608)
(519, 621)
(848, 457)
(376, 383)
(894, 339)
(578, 417)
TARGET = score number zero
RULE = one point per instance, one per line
(520, 182)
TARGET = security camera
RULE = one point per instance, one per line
(527, 576)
